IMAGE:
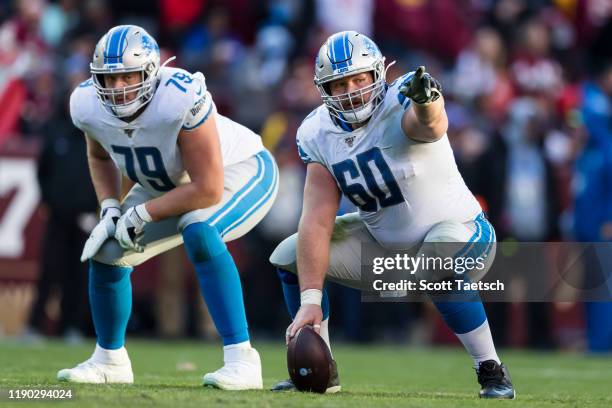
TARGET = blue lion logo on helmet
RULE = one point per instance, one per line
(370, 46)
(149, 45)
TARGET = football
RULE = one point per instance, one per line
(309, 361)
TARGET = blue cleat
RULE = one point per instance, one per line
(495, 380)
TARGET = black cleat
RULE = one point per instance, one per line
(332, 388)
(495, 380)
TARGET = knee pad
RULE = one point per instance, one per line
(284, 256)
(287, 277)
(458, 240)
(202, 242)
(111, 253)
(449, 231)
(445, 239)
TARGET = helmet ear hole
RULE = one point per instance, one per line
(149, 68)
(100, 79)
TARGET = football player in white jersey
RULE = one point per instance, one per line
(385, 148)
(199, 179)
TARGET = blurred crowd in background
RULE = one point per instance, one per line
(528, 88)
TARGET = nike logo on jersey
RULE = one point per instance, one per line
(199, 92)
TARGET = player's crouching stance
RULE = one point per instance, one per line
(200, 179)
(383, 146)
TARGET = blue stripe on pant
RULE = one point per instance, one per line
(483, 237)
(465, 316)
(256, 193)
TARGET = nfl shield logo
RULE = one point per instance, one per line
(349, 140)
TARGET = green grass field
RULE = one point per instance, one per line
(386, 376)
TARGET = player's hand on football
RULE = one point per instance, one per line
(105, 229)
(421, 87)
(130, 228)
(309, 314)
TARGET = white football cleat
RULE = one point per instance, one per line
(103, 367)
(241, 371)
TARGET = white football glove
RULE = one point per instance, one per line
(109, 214)
(130, 227)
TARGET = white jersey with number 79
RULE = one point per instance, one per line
(145, 149)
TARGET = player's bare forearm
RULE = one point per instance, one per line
(312, 255)
(201, 155)
(321, 199)
(126, 186)
(426, 122)
(183, 199)
(430, 115)
(105, 176)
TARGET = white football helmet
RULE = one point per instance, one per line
(125, 48)
(344, 54)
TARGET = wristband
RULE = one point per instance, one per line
(110, 204)
(141, 211)
(311, 297)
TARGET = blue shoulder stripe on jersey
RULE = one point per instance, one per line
(303, 155)
(201, 120)
(400, 96)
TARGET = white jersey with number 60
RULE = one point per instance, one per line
(402, 187)
(145, 149)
